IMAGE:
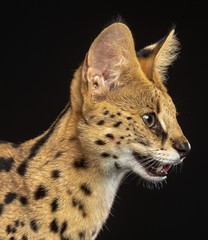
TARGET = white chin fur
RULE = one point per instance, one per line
(138, 169)
(165, 157)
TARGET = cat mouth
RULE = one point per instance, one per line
(151, 166)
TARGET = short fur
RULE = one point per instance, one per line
(61, 185)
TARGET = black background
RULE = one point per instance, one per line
(41, 46)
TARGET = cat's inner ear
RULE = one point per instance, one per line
(156, 58)
(109, 56)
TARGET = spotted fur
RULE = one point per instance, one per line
(61, 185)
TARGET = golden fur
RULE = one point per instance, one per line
(61, 185)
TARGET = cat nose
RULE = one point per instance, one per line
(183, 148)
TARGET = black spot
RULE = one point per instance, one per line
(8, 229)
(101, 122)
(17, 222)
(23, 167)
(54, 226)
(117, 124)
(109, 135)
(119, 114)
(55, 173)
(54, 205)
(69, 191)
(81, 205)
(84, 214)
(100, 142)
(58, 154)
(24, 237)
(23, 200)
(13, 230)
(106, 112)
(22, 224)
(127, 129)
(128, 118)
(122, 137)
(86, 189)
(10, 197)
(1, 208)
(78, 203)
(82, 234)
(114, 156)
(12, 238)
(6, 164)
(117, 166)
(112, 116)
(105, 154)
(63, 227)
(81, 163)
(41, 192)
(33, 225)
(75, 202)
(118, 143)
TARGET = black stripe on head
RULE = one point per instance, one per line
(164, 136)
(158, 107)
(159, 131)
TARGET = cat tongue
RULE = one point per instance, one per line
(166, 167)
(163, 170)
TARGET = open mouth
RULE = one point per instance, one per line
(152, 166)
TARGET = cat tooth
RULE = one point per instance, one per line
(159, 169)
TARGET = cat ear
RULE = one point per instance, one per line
(109, 56)
(156, 58)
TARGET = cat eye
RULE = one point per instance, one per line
(149, 119)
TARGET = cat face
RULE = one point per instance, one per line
(131, 119)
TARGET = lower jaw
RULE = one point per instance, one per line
(155, 175)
